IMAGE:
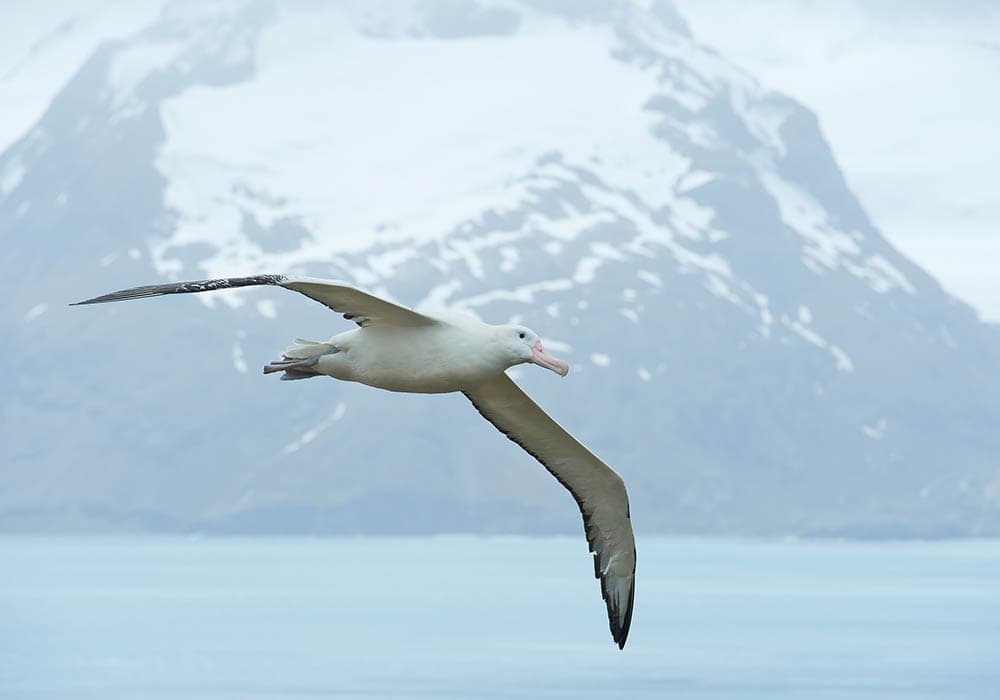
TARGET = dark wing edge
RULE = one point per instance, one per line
(612, 590)
(355, 305)
(156, 290)
(618, 592)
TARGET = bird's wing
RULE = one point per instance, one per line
(597, 488)
(360, 307)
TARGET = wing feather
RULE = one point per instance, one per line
(358, 306)
(599, 491)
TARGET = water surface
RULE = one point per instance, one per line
(465, 617)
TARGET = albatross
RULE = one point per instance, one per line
(399, 349)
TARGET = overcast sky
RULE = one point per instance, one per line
(908, 94)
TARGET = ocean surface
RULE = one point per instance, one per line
(503, 617)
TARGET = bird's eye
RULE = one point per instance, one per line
(521, 335)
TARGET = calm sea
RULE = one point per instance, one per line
(468, 617)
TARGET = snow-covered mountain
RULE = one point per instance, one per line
(748, 351)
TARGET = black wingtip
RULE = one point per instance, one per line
(619, 624)
(155, 290)
(620, 635)
(123, 295)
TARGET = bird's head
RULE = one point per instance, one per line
(521, 344)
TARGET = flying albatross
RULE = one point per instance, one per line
(398, 349)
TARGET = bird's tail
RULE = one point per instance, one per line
(299, 360)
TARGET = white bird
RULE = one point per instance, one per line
(399, 349)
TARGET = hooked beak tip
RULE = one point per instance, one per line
(544, 359)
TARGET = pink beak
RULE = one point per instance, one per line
(544, 359)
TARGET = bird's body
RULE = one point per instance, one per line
(398, 349)
(455, 354)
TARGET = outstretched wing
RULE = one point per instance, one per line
(361, 307)
(597, 488)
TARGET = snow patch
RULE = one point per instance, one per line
(525, 293)
(691, 218)
(607, 251)
(35, 311)
(385, 264)
(764, 119)
(650, 278)
(437, 297)
(718, 287)
(766, 317)
(844, 362)
(693, 179)
(889, 278)
(600, 359)
(804, 332)
(130, 66)
(875, 432)
(586, 269)
(267, 308)
(316, 430)
(569, 228)
(13, 174)
(223, 138)
(508, 259)
(239, 362)
(556, 345)
(825, 246)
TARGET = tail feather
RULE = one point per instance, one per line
(293, 374)
(303, 349)
(299, 360)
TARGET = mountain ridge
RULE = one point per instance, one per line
(771, 364)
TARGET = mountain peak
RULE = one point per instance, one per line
(682, 234)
